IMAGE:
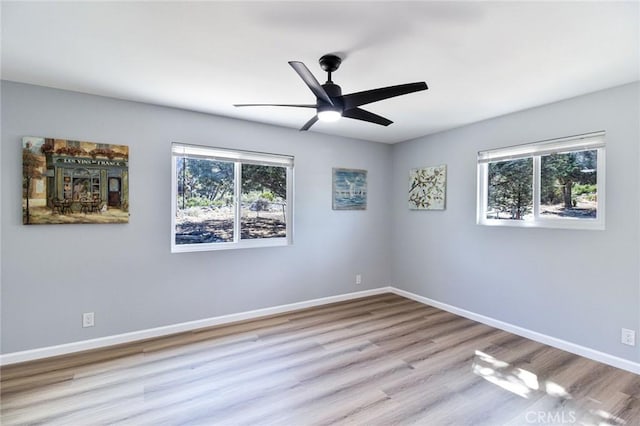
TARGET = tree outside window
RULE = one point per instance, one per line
(568, 186)
(510, 189)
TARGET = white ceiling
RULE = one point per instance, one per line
(480, 59)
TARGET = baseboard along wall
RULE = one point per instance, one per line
(68, 348)
(102, 342)
(584, 351)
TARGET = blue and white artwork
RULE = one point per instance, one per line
(349, 189)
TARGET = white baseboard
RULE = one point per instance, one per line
(101, 342)
(68, 348)
(593, 354)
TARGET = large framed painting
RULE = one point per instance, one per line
(427, 188)
(68, 181)
(349, 189)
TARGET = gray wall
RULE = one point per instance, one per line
(580, 286)
(126, 274)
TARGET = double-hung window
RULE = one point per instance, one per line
(224, 199)
(555, 184)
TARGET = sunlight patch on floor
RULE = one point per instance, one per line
(528, 385)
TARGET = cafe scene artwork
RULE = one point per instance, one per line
(69, 181)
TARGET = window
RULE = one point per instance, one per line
(224, 199)
(85, 184)
(554, 184)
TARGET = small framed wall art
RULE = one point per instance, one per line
(349, 189)
(427, 188)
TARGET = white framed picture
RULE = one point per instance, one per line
(427, 188)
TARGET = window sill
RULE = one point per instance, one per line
(582, 224)
(243, 244)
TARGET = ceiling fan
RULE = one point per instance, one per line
(331, 104)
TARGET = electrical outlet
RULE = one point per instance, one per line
(628, 337)
(88, 319)
(358, 279)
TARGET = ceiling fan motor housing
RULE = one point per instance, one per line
(335, 93)
(333, 90)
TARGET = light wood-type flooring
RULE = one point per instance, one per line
(379, 360)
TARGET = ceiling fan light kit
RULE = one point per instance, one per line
(329, 115)
(331, 104)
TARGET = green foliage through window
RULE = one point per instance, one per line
(568, 184)
(510, 189)
(557, 183)
(227, 201)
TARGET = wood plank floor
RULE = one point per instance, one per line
(380, 360)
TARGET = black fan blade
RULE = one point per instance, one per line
(311, 81)
(366, 97)
(309, 123)
(361, 114)
(278, 105)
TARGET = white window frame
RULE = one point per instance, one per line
(585, 142)
(238, 157)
